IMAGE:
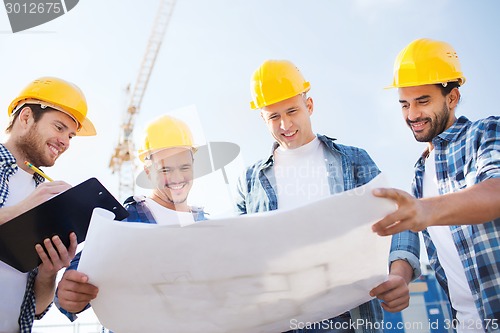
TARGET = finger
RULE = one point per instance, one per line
(404, 215)
(396, 299)
(56, 183)
(393, 295)
(58, 253)
(73, 302)
(52, 188)
(393, 229)
(386, 222)
(392, 284)
(404, 212)
(43, 256)
(78, 291)
(71, 306)
(75, 276)
(390, 193)
(51, 251)
(380, 289)
(396, 296)
(62, 186)
(397, 308)
(392, 220)
(62, 256)
(73, 243)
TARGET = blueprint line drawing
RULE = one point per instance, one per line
(251, 273)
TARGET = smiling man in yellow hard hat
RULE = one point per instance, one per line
(167, 153)
(304, 167)
(44, 118)
(457, 183)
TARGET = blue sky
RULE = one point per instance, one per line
(345, 48)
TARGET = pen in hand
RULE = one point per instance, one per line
(38, 171)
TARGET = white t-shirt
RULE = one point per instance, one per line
(13, 282)
(165, 216)
(460, 293)
(301, 175)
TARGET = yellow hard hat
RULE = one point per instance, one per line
(426, 61)
(274, 81)
(61, 95)
(165, 132)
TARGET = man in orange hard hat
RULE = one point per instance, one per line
(43, 119)
(280, 92)
(456, 184)
(167, 154)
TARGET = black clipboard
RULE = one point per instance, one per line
(67, 212)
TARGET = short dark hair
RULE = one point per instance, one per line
(36, 109)
(445, 90)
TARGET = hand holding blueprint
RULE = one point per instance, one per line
(252, 273)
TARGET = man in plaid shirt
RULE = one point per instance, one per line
(43, 119)
(457, 185)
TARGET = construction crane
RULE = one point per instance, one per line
(123, 161)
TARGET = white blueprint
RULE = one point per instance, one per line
(252, 273)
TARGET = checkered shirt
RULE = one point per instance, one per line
(468, 153)
(8, 167)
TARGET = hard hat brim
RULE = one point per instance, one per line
(143, 181)
(87, 128)
(206, 161)
(461, 81)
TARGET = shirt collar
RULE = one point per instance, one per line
(453, 131)
(6, 156)
(8, 160)
(269, 160)
(449, 135)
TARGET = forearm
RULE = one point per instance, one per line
(403, 269)
(41, 194)
(477, 204)
(44, 292)
(8, 213)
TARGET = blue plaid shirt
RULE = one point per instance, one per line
(139, 212)
(468, 153)
(8, 167)
(256, 194)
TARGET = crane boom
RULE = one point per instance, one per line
(122, 160)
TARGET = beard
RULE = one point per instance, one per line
(437, 125)
(34, 149)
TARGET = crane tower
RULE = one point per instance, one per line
(123, 161)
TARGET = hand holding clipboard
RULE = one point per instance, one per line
(67, 212)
